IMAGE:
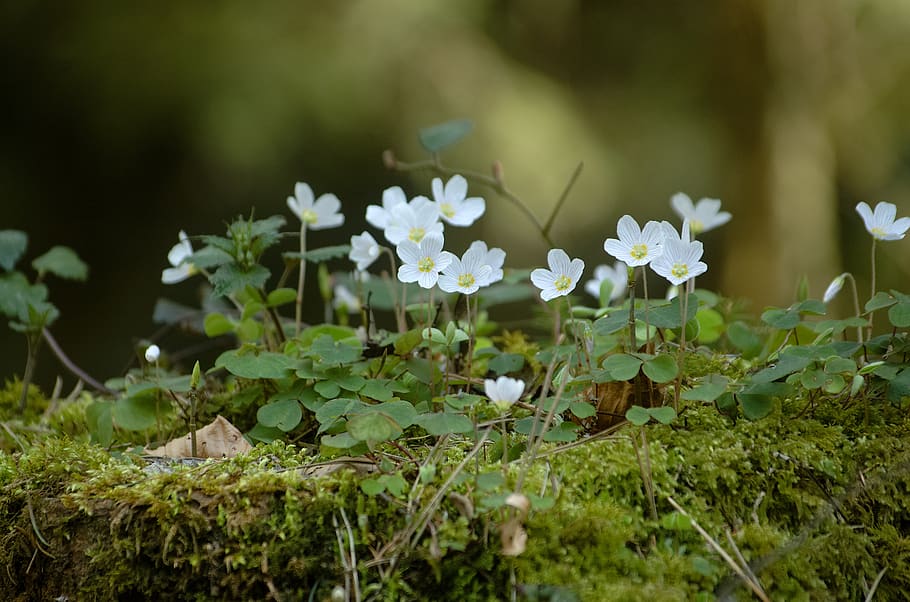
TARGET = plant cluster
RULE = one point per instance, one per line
(439, 375)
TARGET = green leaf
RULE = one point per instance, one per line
(340, 441)
(783, 319)
(786, 364)
(661, 369)
(755, 407)
(424, 370)
(899, 314)
(12, 245)
(713, 387)
(879, 301)
(834, 384)
(443, 423)
(622, 366)
(611, 323)
(62, 262)
(407, 342)
(836, 364)
(812, 379)
(321, 255)
(100, 422)
(670, 315)
(217, 324)
(374, 427)
(676, 521)
(334, 409)
(402, 412)
(711, 325)
(230, 278)
(327, 388)
(372, 486)
(505, 363)
(246, 363)
(582, 409)
(377, 389)
(564, 432)
(17, 293)
(327, 350)
(745, 339)
(438, 137)
(663, 414)
(285, 414)
(351, 382)
(638, 415)
(281, 296)
(137, 413)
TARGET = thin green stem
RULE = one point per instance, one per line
(633, 347)
(298, 318)
(859, 329)
(872, 294)
(562, 199)
(34, 344)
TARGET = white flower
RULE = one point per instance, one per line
(702, 216)
(494, 258)
(454, 208)
(364, 250)
(412, 221)
(618, 275)
(503, 391)
(345, 298)
(377, 216)
(318, 215)
(881, 224)
(152, 352)
(635, 246)
(562, 276)
(422, 261)
(679, 260)
(177, 257)
(834, 287)
(467, 274)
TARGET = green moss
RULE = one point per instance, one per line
(814, 509)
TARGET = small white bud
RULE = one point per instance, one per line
(834, 287)
(152, 353)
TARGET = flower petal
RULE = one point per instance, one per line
(628, 230)
(304, 194)
(456, 188)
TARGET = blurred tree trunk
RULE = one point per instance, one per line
(786, 225)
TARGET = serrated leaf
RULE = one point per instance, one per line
(248, 364)
(12, 245)
(63, 262)
(230, 278)
(211, 256)
(442, 423)
(285, 414)
(438, 137)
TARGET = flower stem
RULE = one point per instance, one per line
(872, 314)
(859, 329)
(298, 319)
(633, 347)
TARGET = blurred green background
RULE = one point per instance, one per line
(125, 122)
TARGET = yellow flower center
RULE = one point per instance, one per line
(417, 234)
(878, 233)
(447, 210)
(563, 283)
(426, 264)
(309, 216)
(680, 270)
(639, 251)
(696, 227)
(466, 280)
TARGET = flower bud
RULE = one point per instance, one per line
(194, 380)
(152, 353)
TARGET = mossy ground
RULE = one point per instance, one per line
(817, 504)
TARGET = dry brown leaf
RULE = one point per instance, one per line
(514, 537)
(218, 439)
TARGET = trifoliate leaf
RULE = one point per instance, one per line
(136, 413)
(248, 364)
(443, 423)
(437, 137)
(661, 369)
(663, 414)
(285, 414)
(622, 366)
(670, 315)
(373, 427)
(756, 406)
(62, 262)
(16, 293)
(12, 245)
(638, 415)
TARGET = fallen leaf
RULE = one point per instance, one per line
(218, 439)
